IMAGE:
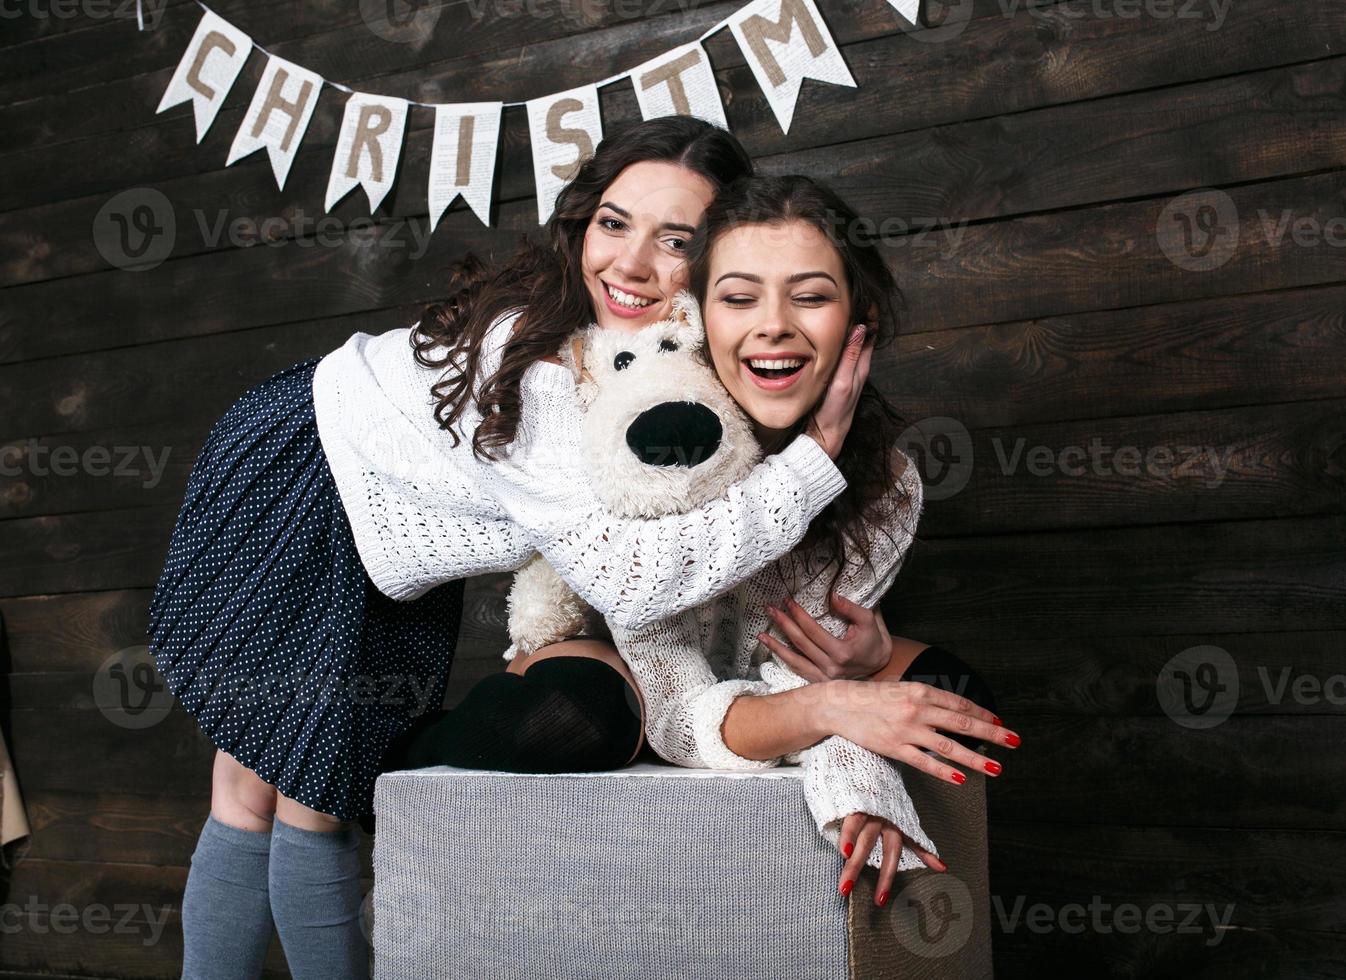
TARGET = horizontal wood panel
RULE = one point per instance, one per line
(930, 178)
(1247, 772)
(1055, 53)
(1255, 462)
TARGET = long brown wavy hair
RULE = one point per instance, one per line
(544, 280)
(876, 427)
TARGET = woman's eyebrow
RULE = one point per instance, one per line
(797, 277)
(667, 224)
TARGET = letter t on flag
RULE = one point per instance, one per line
(784, 42)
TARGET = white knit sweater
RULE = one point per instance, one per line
(424, 512)
(687, 696)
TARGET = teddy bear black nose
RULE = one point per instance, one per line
(675, 434)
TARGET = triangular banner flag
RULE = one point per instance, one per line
(368, 148)
(278, 116)
(564, 129)
(909, 9)
(462, 158)
(784, 42)
(679, 83)
(208, 69)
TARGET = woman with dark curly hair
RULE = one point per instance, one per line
(309, 605)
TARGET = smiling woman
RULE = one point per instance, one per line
(776, 334)
(635, 247)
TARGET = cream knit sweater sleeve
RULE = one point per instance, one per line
(686, 700)
(637, 571)
(841, 777)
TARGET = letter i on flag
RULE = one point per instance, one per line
(784, 42)
(462, 159)
(278, 116)
(564, 129)
(368, 148)
(208, 70)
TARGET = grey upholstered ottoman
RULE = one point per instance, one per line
(654, 872)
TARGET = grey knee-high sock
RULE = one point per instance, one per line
(315, 900)
(226, 909)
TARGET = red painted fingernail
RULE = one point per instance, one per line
(993, 768)
(1012, 740)
(883, 897)
(995, 720)
(846, 886)
(848, 848)
(959, 778)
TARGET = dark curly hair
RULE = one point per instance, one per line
(876, 300)
(543, 281)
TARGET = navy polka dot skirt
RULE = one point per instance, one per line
(265, 625)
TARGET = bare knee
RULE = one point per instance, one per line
(239, 797)
(296, 814)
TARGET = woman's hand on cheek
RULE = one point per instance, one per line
(816, 655)
(832, 420)
(859, 831)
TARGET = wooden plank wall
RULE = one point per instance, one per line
(1055, 304)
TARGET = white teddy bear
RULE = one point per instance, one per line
(660, 436)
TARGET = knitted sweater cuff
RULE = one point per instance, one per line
(815, 471)
(707, 718)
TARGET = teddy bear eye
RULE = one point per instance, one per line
(668, 345)
(623, 360)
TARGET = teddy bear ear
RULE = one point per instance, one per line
(687, 315)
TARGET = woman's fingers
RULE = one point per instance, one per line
(928, 859)
(915, 757)
(810, 627)
(954, 752)
(963, 724)
(864, 844)
(928, 694)
(801, 665)
(850, 829)
(850, 611)
(798, 638)
(892, 853)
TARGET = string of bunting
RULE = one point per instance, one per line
(783, 42)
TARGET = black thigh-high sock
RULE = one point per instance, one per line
(566, 714)
(939, 668)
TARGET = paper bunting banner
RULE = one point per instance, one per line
(564, 129)
(368, 148)
(278, 117)
(680, 83)
(784, 42)
(909, 9)
(462, 159)
(208, 69)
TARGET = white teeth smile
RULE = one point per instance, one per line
(626, 299)
(788, 364)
